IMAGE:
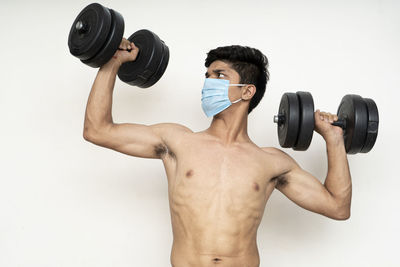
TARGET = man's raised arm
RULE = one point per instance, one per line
(333, 198)
(128, 138)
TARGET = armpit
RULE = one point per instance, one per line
(280, 181)
(161, 150)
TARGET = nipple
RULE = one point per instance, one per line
(256, 186)
(189, 173)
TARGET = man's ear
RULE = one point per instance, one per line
(249, 92)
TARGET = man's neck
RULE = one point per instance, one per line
(229, 128)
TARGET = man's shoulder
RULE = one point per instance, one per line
(273, 151)
(173, 127)
(283, 163)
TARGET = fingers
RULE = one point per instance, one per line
(129, 47)
(134, 48)
(134, 51)
(127, 51)
(125, 45)
(326, 116)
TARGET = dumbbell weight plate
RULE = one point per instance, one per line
(112, 43)
(373, 123)
(140, 71)
(288, 125)
(306, 122)
(353, 109)
(161, 68)
(96, 23)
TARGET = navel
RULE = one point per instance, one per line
(216, 260)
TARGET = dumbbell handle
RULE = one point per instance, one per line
(81, 26)
(129, 50)
(280, 118)
(341, 123)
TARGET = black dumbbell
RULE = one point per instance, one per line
(96, 35)
(357, 116)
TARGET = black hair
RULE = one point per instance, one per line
(249, 63)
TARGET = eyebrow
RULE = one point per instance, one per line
(215, 71)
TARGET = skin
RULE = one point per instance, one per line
(219, 181)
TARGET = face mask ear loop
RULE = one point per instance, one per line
(239, 84)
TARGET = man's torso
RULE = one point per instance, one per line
(217, 196)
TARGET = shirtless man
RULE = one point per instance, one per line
(219, 181)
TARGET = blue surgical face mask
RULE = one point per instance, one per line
(214, 96)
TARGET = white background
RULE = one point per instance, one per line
(66, 202)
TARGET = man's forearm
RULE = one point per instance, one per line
(99, 105)
(338, 180)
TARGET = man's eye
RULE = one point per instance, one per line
(221, 75)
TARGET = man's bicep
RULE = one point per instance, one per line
(307, 191)
(138, 140)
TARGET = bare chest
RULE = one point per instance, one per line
(220, 180)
